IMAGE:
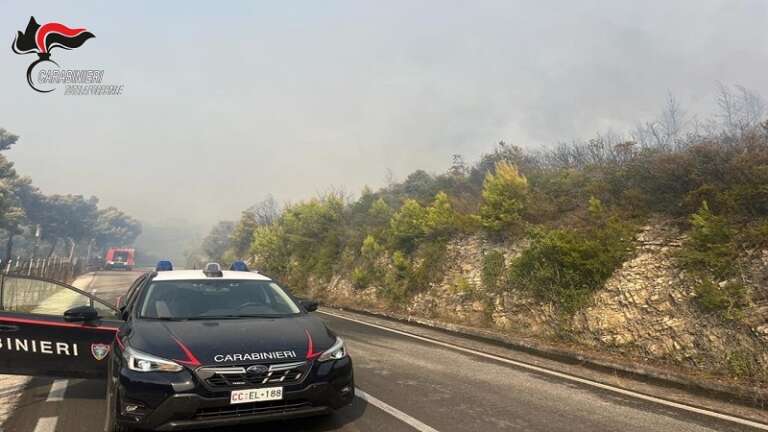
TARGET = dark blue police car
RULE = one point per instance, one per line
(188, 349)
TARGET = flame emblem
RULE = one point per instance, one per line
(40, 40)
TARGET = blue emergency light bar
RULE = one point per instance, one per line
(164, 265)
(239, 266)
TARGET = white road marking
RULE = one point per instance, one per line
(46, 424)
(403, 417)
(562, 375)
(58, 388)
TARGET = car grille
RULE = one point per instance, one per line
(249, 409)
(239, 376)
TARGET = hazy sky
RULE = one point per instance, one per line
(227, 101)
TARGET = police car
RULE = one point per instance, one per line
(189, 348)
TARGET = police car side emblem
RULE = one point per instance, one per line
(100, 351)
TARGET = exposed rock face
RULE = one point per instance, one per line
(646, 308)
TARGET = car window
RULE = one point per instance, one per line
(131, 294)
(200, 299)
(30, 295)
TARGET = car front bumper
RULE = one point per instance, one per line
(183, 403)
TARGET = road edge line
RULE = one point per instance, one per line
(540, 369)
(46, 424)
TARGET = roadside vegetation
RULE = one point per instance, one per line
(577, 206)
(33, 224)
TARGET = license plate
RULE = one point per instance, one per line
(256, 395)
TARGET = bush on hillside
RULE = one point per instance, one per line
(726, 300)
(710, 254)
(413, 223)
(493, 269)
(504, 197)
(710, 247)
(565, 266)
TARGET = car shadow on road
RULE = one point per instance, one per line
(86, 389)
(332, 422)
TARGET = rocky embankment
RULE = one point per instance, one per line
(646, 312)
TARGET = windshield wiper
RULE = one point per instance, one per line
(213, 317)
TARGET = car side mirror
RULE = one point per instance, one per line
(119, 302)
(309, 305)
(81, 314)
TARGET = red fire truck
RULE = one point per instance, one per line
(119, 258)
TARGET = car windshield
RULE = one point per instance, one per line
(208, 299)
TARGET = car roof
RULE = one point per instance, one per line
(175, 275)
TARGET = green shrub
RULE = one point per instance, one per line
(369, 271)
(565, 266)
(709, 247)
(371, 250)
(504, 196)
(460, 285)
(414, 223)
(728, 301)
(429, 261)
(408, 274)
(744, 364)
(361, 277)
(270, 250)
(406, 227)
(493, 268)
(440, 220)
(395, 287)
(755, 235)
(710, 254)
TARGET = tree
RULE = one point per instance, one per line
(241, 238)
(440, 219)
(266, 211)
(739, 111)
(458, 166)
(263, 213)
(11, 212)
(504, 196)
(115, 228)
(314, 234)
(407, 225)
(503, 152)
(379, 213)
(215, 244)
(709, 246)
(7, 139)
(419, 185)
(70, 217)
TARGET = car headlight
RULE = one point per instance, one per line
(142, 362)
(336, 352)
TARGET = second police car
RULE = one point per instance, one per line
(194, 348)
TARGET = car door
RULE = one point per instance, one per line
(123, 300)
(36, 338)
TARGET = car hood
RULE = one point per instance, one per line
(232, 341)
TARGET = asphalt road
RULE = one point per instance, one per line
(406, 384)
